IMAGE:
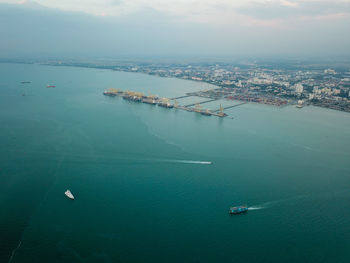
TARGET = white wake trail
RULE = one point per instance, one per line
(191, 162)
(256, 208)
(277, 202)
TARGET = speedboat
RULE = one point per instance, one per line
(238, 209)
(69, 194)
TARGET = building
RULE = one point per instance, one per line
(299, 88)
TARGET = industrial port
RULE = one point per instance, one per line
(171, 102)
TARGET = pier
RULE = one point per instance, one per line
(229, 107)
(181, 97)
(192, 104)
(164, 102)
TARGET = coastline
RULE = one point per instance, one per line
(215, 86)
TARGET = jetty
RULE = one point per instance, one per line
(192, 104)
(229, 107)
(133, 96)
(181, 97)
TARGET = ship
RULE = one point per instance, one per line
(238, 210)
(26, 82)
(221, 114)
(132, 98)
(50, 86)
(149, 101)
(126, 97)
(165, 103)
(206, 112)
(111, 92)
(136, 98)
(107, 93)
(69, 194)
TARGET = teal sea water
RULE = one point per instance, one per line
(142, 194)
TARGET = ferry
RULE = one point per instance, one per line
(69, 194)
(238, 210)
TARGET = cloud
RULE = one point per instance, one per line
(156, 28)
(289, 4)
(285, 9)
(204, 11)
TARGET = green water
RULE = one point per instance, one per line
(139, 199)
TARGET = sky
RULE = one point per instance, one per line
(146, 28)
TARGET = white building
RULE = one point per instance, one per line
(299, 88)
(329, 71)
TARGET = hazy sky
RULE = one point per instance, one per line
(122, 28)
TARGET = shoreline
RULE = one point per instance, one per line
(112, 68)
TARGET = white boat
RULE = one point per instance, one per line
(69, 194)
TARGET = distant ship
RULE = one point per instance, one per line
(112, 92)
(238, 210)
(50, 86)
(206, 112)
(108, 93)
(149, 101)
(166, 105)
(132, 98)
(26, 82)
(69, 194)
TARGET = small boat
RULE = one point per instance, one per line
(50, 86)
(69, 194)
(26, 82)
(238, 210)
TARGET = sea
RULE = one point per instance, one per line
(144, 189)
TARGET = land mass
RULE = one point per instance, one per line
(278, 83)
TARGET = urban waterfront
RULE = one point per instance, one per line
(144, 192)
(270, 82)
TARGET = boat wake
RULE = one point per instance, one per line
(191, 162)
(265, 205)
(277, 202)
(255, 208)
